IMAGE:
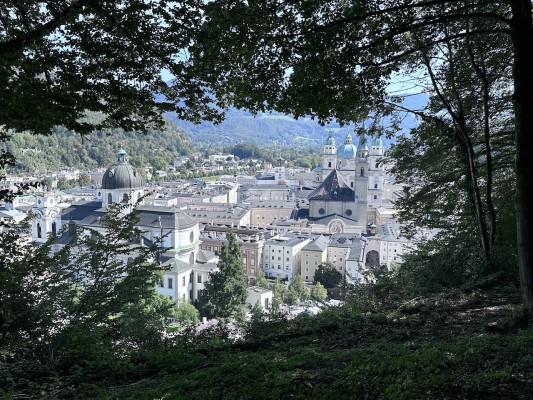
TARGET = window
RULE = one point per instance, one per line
(199, 278)
(287, 258)
(109, 198)
(39, 230)
(375, 197)
(183, 281)
(375, 185)
(321, 211)
(162, 283)
(272, 257)
(279, 266)
(279, 258)
(362, 172)
(377, 165)
(306, 277)
(252, 262)
(329, 164)
(307, 262)
(170, 283)
(340, 259)
(306, 269)
(351, 184)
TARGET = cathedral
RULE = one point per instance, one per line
(351, 183)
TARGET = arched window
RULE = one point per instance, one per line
(54, 228)
(125, 198)
(109, 198)
(39, 230)
(329, 164)
(362, 172)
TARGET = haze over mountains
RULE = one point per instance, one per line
(278, 129)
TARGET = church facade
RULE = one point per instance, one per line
(351, 181)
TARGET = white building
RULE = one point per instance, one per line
(171, 228)
(281, 256)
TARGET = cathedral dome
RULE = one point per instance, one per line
(122, 175)
(348, 149)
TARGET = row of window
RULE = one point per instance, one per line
(170, 282)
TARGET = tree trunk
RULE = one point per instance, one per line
(522, 39)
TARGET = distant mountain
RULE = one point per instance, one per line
(263, 129)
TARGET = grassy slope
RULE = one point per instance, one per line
(445, 348)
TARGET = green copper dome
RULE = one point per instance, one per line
(348, 149)
(330, 141)
(122, 175)
(377, 142)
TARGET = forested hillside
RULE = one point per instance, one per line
(64, 148)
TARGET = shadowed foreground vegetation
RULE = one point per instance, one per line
(468, 343)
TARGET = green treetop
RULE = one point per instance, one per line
(225, 292)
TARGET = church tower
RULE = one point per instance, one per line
(361, 178)
(329, 159)
(376, 172)
(47, 218)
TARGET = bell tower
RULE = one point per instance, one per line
(330, 155)
(47, 218)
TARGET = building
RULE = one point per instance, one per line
(270, 212)
(282, 257)
(220, 214)
(251, 241)
(174, 231)
(345, 253)
(258, 295)
(313, 254)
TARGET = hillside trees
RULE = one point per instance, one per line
(65, 148)
(332, 60)
(225, 292)
(457, 165)
(95, 291)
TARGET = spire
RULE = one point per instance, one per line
(330, 141)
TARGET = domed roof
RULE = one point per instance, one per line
(122, 175)
(348, 149)
(377, 142)
(330, 141)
